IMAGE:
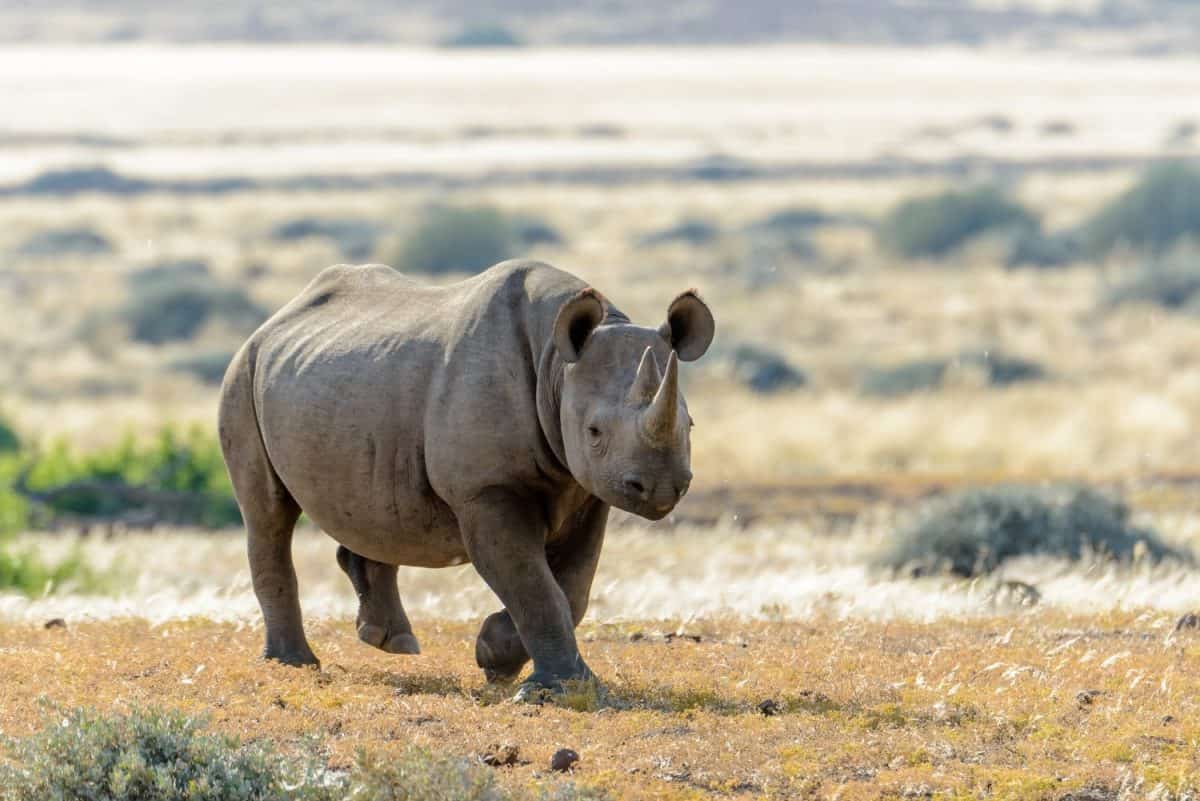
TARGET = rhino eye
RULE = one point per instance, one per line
(593, 431)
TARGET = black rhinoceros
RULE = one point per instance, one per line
(491, 421)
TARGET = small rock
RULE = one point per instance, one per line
(499, 756)
(637, 636)
(679, 635)
(770, 707)
(1168, 720)
(563, 759)
(1086, 698)
(55, 623)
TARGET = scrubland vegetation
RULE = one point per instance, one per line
(945, 511)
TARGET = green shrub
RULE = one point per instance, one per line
(151, 755)
(1159, 210)
(934, 225)
(173, 307)
(178, 477)
(973, 532)
(9, 441)
(458, 239)
(27, 572)
(483, 35)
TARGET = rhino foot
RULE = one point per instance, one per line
(293, 658)
(378, 636)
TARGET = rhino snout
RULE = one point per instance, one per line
(659, 495)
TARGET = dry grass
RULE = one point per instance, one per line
(987, 708)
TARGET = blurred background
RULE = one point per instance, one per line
(948, 243)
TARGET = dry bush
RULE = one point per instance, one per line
(975, 531)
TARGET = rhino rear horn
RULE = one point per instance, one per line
(658, 421)
(645, 384)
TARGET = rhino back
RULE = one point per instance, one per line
(383, 402)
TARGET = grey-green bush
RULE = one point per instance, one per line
(483, 34)
(903, 379)
(58, 242)
(690, 231)
(974, 531)
(1159, 210)
(1172, 282)
(764, 370)
(208, 367)
(150, 755)
(354, 238)
(147, 755)
(932, 226)
(457, 239)
(172, 309)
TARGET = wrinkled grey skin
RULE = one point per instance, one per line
(493, 421)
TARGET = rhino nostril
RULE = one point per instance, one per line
(635, 486)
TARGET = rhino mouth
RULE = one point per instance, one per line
(643, 508)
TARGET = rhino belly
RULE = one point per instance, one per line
(362, 480)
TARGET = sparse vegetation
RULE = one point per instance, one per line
(763, 370)
(1162, 208)
(208, 367)
(690, 231)
(151, 754)
(924, 375)
(59, 242)
(458, 239)
(1172, 282)
(934, 225)
(483, 35)
(173, 302)
(177, 477)
(168, 756)
(975, 531)
(354, 238)
(921, 375)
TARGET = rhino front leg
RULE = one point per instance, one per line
(572, 559)
(506, 541)
(381, 619)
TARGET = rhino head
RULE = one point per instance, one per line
(625, 424)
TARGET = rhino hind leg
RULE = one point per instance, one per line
(381, 620)
(270, 514)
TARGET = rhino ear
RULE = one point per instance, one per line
(689, 326)
(576, 320)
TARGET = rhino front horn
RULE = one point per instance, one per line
(658, 420)
(645, 384)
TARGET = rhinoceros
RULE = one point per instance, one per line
(493, 421)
